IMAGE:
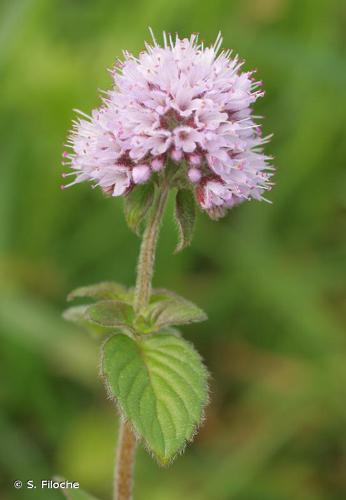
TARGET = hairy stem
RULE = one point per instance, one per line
(126, 451)
(146, 259)
(124, 462)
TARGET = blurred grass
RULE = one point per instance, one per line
(272, 278)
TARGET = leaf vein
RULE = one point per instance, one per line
(183, 377)
(170, 355)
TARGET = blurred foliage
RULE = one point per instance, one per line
(272, 278)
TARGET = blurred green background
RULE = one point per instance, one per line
(271, 277)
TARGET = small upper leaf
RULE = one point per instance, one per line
(111, 313)
(78, 315)
(137, 203)
(173, 310)
(160, 384)
(159, 294)
(185, 214)
(100, 291)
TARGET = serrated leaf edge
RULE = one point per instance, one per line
(155, 317)
(115, 400)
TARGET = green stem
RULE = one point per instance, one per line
(126, 449)
(145, 269)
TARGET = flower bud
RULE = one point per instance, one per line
(157, 164)
(195, 160)
(176, 155)
(140, 173)
(194, 175)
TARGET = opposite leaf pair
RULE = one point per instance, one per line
(156, 377)
(114, 309)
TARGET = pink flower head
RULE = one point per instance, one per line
(179, 102)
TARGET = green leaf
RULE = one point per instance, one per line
(185, 215)
(100, 291)
(111, 314)
(159, 294)
(78, 315)
(137, 203)
(160, 384)
(173, 310)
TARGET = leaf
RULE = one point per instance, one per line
(77, 315)
(137, 203)
(100, 291)
(173, 311)
(160, 384)
(159, 294)
(111, 313)
(185, 215)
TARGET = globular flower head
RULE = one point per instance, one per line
(179, 103)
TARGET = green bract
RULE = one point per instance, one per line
(185, 215)
(136, 205)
